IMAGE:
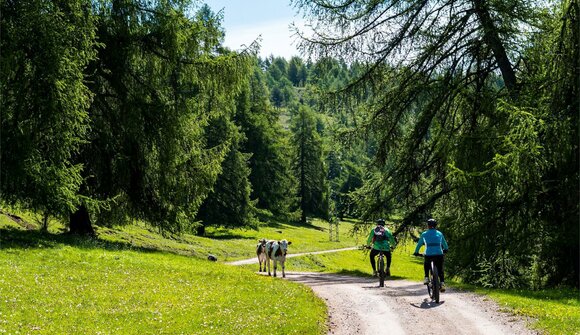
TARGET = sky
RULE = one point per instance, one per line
(245, 20)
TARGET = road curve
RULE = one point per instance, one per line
(255, 259)
(358, 306)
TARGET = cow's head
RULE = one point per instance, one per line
(284, 246)
(262, 241)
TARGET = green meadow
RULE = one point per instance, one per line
(58, 284)
(551, 311)
(133, 280)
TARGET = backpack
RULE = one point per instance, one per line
(380, 234)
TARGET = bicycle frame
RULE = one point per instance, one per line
(381, 266)
(434, 286)
(382, 272)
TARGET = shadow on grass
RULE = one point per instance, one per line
(220, 233)
(358, 273)
(34, 239)
(283, 223)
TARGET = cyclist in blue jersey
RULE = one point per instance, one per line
(435, 247)
(381, 239)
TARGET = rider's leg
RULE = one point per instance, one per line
(389, 258)
(373, 254)
(439, 264)
(426, 268)
(427, 265)
(438, 260)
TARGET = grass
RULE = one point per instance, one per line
(226, 244)
(86, 286)
(556, 311)
(553, 311)
(133, 280)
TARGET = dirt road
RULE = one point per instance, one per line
(357, 305)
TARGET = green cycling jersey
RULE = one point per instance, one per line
(384, 245)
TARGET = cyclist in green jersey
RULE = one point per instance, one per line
(382, 240)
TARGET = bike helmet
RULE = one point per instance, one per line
(381, 222)
(432, 223)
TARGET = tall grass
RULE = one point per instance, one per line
(83, 287)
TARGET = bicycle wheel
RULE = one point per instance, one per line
(435, 282)
(429, 285)
(381, 270)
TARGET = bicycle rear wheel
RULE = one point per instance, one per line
(381, 270)
(435, 282)
(429, 285)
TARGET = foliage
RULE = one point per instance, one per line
(271, 176)
(309, 165)
(229, 204)
(462, 133)
(160, 79)
(46, 47)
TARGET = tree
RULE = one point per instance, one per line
(46, 46)
(309, 165)
(295, 71)
(228, 204)
(455, 139)
(266, 140)
(160, 78)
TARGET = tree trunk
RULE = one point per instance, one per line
(200, 230)
(492, 38)
(44, 227)
(80, 222)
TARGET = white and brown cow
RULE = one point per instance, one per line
(261, 253)
(276, 251)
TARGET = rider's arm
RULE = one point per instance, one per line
(370, 238)
(444, 243)
(392, 242)
(419, 244)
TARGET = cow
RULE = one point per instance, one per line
(276, 251)
(261, 253)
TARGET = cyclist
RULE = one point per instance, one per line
(382, 240)
(435, 247)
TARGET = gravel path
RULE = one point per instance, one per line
(255, 259)
(356, 305)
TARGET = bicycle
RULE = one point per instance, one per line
(434, 285)
(381, 267)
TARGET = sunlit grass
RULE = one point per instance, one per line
(110, 285)
(555, 311)
(85, 289)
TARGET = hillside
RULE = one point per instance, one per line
(130, 280)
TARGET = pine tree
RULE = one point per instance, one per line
(309, 165)
(266, 140)
(46, 46)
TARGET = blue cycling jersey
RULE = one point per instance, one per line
(434, 242)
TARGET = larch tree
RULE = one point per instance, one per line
(309, 165)
(160, 78)
(46, 47)
(460, 133)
